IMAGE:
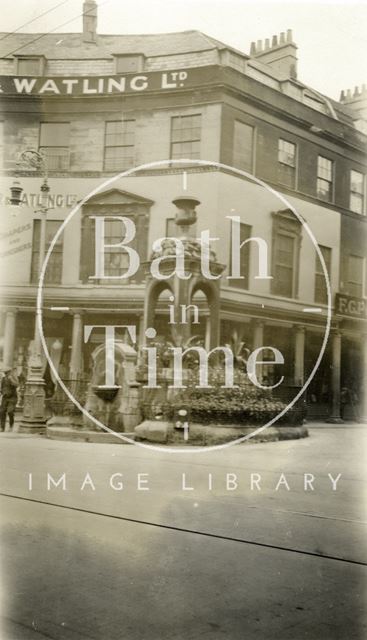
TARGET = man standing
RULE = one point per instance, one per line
(9, 397)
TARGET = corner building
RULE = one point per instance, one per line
(97, 105)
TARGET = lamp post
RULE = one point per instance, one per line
(34, 410)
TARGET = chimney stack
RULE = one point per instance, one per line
(356, 100)
(89, 21)
(281, 55)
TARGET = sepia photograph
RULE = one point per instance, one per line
(183, 320)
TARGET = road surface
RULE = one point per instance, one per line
(258, 541)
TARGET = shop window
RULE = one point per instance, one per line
(243, 146)
(324, 179)
(185, 136)
(286, 163)
(356, 268)
(54, 266)
(54, 143)
(320, 284)
(356, 202)
(285, 256)
(243, 282)
(119, 153)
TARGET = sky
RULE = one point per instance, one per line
(331, 36)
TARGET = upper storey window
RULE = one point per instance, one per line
(357, 180)
(287, 163)
(320, 283)
(243, 146)
(54, 142)
(186, 136)
(105, 208)
(356, 276)
(30, 65)
(129, 63)
(324, 179)
(119, 153)
(287, 233)
(53, 273)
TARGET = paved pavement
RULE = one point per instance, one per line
(211, 558)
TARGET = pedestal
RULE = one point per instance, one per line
(34, 410)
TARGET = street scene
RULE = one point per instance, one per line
(183, 320)
(167, 563)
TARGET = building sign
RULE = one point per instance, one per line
(350, 306)
(97, 85)
(16, 240)
(34, 200)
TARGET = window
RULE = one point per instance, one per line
(116, 261)
(108, 205)
(320, 284)
(286, 245)
(119, 150)
(286, 163)
(54, 142)
(324, 179)
(30, 66)
(355, 284)
(283, 278)
(185, 136)
(243, 146)
(129, 64)
(356, 203)
(54, 266)
(243, 283)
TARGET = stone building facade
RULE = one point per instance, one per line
(97, 105)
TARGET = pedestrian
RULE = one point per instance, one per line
(345, 400)
(9, 397)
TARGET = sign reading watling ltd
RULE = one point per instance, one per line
(97, 85)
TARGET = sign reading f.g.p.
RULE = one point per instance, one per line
(350, 306)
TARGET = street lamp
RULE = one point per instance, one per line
(34, 410)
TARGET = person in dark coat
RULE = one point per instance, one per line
(9, 397)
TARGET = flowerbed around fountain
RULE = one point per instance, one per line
(215, 415)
